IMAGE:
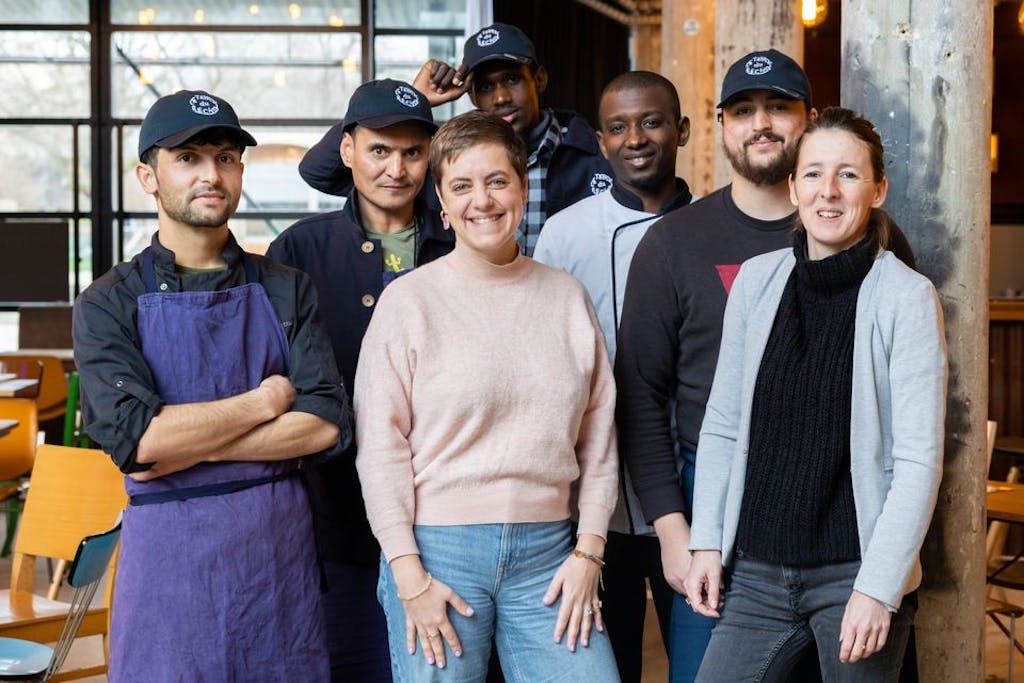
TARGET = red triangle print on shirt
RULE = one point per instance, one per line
(728, 274)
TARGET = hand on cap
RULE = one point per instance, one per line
(440, 82)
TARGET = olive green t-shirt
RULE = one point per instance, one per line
(399, 248)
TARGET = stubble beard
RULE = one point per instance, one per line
(183, 212)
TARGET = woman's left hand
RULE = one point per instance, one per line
(580, 609)
(865, 628)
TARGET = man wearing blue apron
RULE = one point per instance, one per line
(207, 376)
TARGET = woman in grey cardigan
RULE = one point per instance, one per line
(821, 451)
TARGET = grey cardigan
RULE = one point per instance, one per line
(897, 416)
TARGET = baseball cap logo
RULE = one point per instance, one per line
(204, 104)
(600, 182)
(489, 36)
(407, 96)
(758, 66)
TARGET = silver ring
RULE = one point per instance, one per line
(588, 611)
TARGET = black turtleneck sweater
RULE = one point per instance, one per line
(798, 506)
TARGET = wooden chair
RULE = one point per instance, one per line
(74, 492)
(995, 540)
(26, 660)
(17, 452)
(51, 401)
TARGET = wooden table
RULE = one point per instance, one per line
(1010, 445)
(1005, 502)
(67, 356)
(6, 426)
(18, 388)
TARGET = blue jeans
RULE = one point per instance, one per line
(690, 632)
(773, 612)
(502, 571)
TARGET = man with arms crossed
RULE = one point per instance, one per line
(640, 130)
(384, 230)
(207, 376)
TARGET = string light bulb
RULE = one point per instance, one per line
(813, 12)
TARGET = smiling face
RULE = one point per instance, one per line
(197, 185)
(834, 190)
(509, 90)
(483, 197)
(760, 132)
(388, 166)
(639, 134)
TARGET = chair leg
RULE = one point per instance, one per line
(58, 578)
(1013, 641)
(12, 527)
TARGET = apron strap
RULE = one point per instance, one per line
(218, 489)
(149, 274)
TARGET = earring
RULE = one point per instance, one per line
(444, 220)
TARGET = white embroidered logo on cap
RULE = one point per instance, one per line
(600, 182)
(758, 66)
(204, 104)
(489, 36)
(407, 96)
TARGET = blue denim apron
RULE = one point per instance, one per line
(217, 578)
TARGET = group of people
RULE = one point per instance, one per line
(565, 389)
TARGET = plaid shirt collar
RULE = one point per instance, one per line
(537, 175)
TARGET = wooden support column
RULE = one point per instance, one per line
(645, 47)
(688, 60)
(922, 72)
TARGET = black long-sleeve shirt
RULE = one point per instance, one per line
(118, 392)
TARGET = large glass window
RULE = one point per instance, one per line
(288, 68)
(234, 12)
(265, 74)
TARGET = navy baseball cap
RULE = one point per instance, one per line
(498, 41)
(766, 70)
(175, 119)
(386, 102)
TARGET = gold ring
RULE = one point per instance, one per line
(433, 635)
(863, 647)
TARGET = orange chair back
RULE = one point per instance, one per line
(18, 447)
(51, 401)
(73, 492)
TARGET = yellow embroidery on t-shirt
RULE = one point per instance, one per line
(393, 262)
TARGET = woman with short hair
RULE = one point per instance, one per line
(483, 394)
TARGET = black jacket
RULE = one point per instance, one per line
(346, 267)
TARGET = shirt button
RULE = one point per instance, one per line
(368, 300)
(163, 286)
(367, 247)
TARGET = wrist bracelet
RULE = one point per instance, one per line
(426, 587)
(576, 552)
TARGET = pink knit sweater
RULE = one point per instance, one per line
(482, 393)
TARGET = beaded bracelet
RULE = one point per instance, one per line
(426, 587)
(576, 552)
